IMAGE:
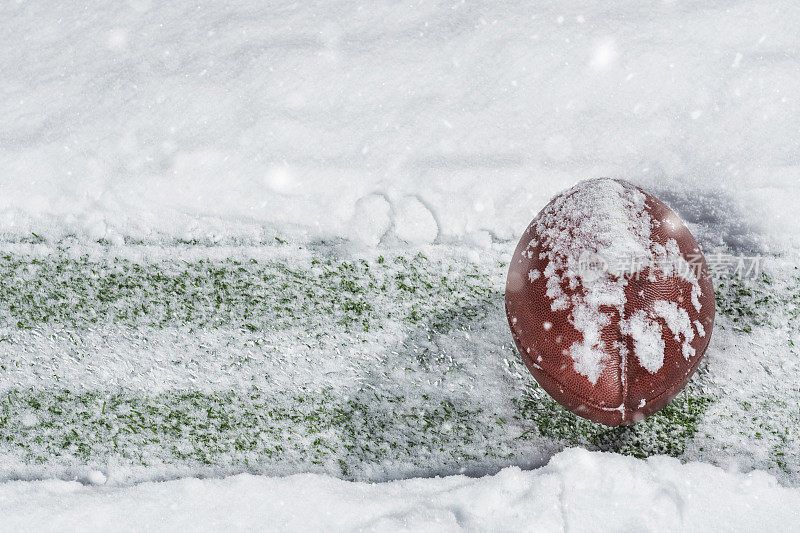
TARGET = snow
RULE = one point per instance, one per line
(648, 346)
(161, 121)
(414, 223)
(576, 491)
(603, 217)
(246, 154)
(677, 320)
(588, 355)
(371, 220)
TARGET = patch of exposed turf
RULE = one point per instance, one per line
(758, 300)
(756, 415)
(253, 295)
(664, 433)
(304, 430)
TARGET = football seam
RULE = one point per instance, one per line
(553, 379)
(578, 396)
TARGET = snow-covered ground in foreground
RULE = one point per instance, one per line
(576, 491)
(210, 221)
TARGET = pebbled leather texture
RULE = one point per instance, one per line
(625, 392)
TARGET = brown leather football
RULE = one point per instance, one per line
(610, 301)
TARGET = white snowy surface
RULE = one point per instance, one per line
(647, 341)
(577, 491)
(458, 121)
(393, 126)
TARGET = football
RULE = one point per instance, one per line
(610, 301)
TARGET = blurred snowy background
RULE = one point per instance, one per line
(439, 121)
(207, 207)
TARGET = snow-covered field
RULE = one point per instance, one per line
(576, 491)
(270, 239)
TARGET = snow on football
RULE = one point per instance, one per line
(610, 301)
